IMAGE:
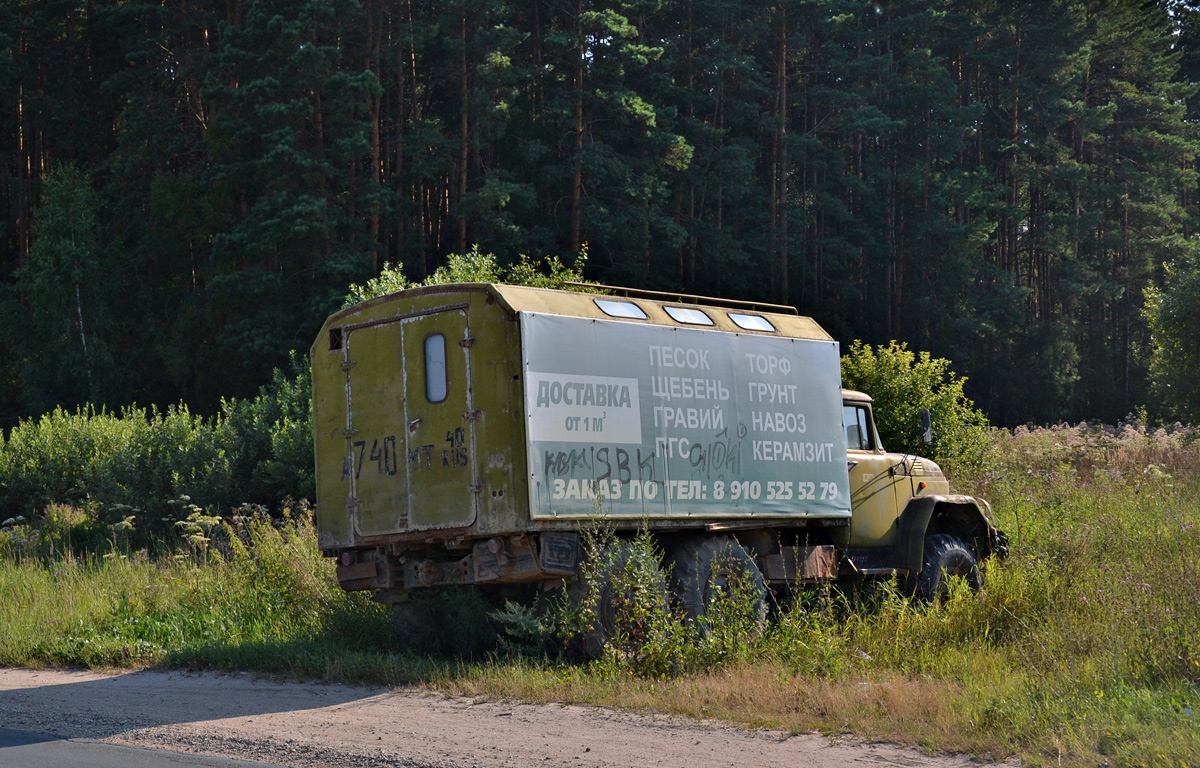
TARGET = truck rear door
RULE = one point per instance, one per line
(410, 430)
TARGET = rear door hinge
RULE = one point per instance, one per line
(473, 415)
(467, 342)
(475, 488)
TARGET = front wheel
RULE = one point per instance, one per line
(946, 557)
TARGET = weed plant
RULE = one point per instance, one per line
(1083, 648)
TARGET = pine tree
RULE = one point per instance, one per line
(58, 316)
(287, 138)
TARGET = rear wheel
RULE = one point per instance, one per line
(618, 600)
(708, 569)
(946, 557)
(413, 627)
(444, 620)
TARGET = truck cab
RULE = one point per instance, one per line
(896, 496)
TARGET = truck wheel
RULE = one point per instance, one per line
(705, 568)
(946, 557)
(618, 601)
(413, 627)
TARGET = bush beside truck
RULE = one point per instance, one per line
(147, 469)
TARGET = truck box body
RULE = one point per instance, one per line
(456, 412)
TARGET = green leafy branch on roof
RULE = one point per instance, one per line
(475, 266)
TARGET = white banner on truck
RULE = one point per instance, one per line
(571, 408)
(639, 419)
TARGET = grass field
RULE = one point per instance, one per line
(1082, 649)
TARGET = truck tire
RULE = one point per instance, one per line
(946, 557)
(614, 616)
(449, 621)
(703, 568)
(413, 627)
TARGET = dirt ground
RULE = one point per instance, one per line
(303, 724)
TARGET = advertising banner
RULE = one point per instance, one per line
(638, 420)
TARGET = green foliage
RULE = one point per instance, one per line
(158, 467)
(624, 605)
(731, 630)
(993, 183)
(527, 630)
(1081, 649)
(902, 383)
(1174, 316)
(58, 316)
(622, 602)
(475, 267)
(135, 460)
(549, 272)
(1085, 630)
(469, 267)
(289, 128)
(390, 280)
(274, 592)
(270, 438)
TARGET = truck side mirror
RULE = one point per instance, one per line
(926, 426)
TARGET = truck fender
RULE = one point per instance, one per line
(963, 516)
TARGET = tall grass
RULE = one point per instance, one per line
(270, 604)
(1083, 648)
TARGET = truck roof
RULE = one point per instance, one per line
(733, 317)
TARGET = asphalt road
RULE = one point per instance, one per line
(24, 749)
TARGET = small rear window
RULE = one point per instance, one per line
(436, 383)
(688, 315)
(751, 322)
(620, 309)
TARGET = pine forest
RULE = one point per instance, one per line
(189, 187)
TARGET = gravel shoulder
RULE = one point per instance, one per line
(307, 724)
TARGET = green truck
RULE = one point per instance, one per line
(465, 432)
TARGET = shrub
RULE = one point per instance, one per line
(1173, 313)
(141, 462)
(137, 459)
(642, 632)
(903, 383)
(270, 438)
(474, 267)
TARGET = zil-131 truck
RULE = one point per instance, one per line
(465, 433)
